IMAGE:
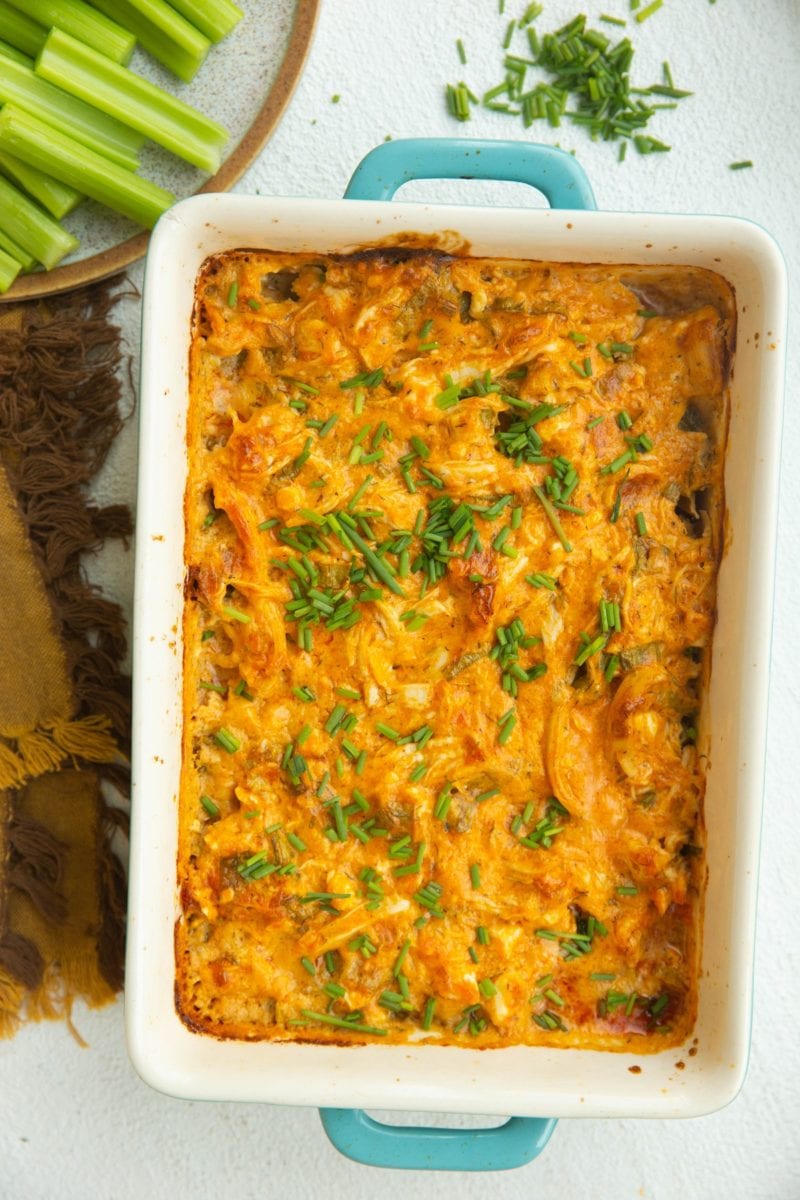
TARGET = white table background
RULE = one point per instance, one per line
(77, 1122)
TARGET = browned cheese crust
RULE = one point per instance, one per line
(452, 535)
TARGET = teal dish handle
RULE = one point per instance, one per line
(386, 168)
(365, 1140)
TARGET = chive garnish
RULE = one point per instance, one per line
(236, 614)
(641, 524)
(427, 1015)
(367, 379)
(341, 1022)
(475, 876)
(209, 805)
(487, 988)
(254, 304)
(740, 166)
(648, 11)
(224, 738)
(627, 890)
(233, 293)
(553, 518)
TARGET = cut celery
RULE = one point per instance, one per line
(120, 93)
(36, 232)
(56, 197)
(64, 158)
(214, 18)
(25, 260)
(162, 32)
(21, 86)
(9, 270)
(20, 31)
(15, 55)
(83, 22)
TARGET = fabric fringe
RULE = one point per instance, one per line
(36, 866)
(12, 995)
(113, 895)
(88, 739)
(21, 958)
(60, 393)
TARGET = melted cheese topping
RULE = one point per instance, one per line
(452, 531)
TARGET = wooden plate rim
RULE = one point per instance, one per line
(119, 257)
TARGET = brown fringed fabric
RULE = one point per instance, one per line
(64, 700)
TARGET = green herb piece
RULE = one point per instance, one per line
(367, 379)
(429, 897)
(641, 524)
(743, 165)
(208, 804)
(236, 614)
(342, 1022)
(541, 580)
(553, 518)
(506, 724)
(428, 1011)
(487, 988)
(627, 890)
(224, 738)
(648, 11)
(475, 876)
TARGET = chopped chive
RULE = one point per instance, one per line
(233, 293)
(328, 425)
(296, 842)
(236, 614)
(603, 976)
(209, 805)
(595, 422)
(367, 379)
(553, 518)
(341, 1022)
(309, 966)
(224, 738)
(348, 693)
(612, 21)
(641, 524)
(628, 890)
(648, 11)
(487, 988)
(740, 166)
(254, 304)
(475, 876)
(427, 1015)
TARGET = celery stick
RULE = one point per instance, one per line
(214, 18)
(83, 22)
(120, 93)
(15, 55)
(24, 222)
(161, 32)
(21, 86)
(64, 158)
(25, 260)
(9, 270)
(20, 31)
(56, 197)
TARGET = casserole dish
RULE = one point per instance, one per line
(527, 1081)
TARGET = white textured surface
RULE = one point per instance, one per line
(76, 1123)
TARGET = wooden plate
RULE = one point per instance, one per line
(245, 83)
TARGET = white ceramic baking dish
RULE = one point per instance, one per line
(696, 1078)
